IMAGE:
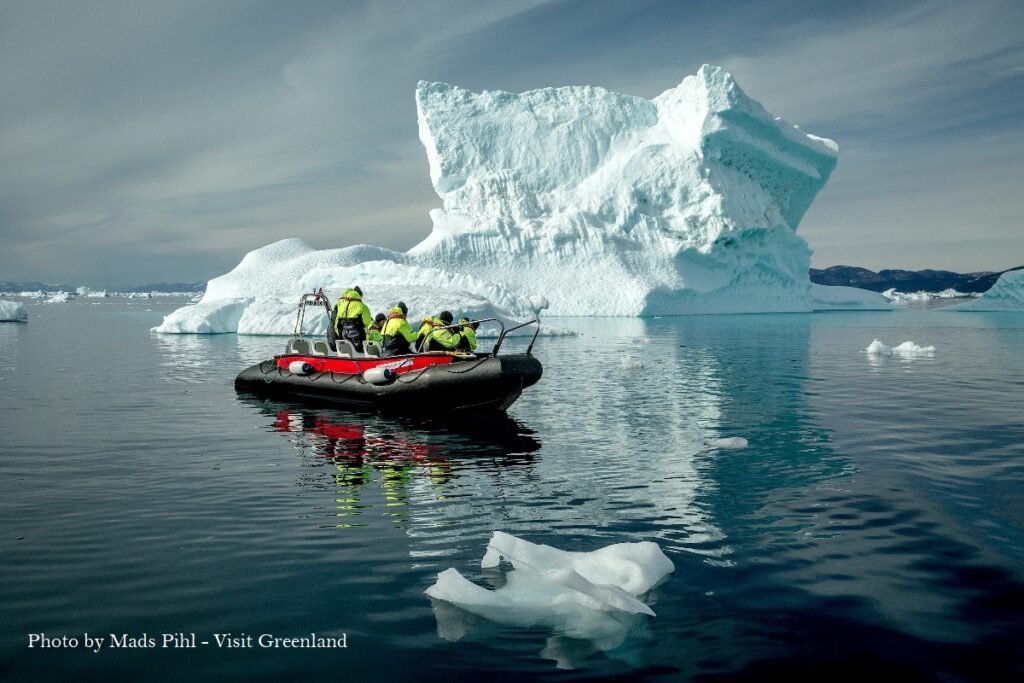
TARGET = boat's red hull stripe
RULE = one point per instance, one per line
(357, 366)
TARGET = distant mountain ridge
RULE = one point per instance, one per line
(907, 280)
(14, 287)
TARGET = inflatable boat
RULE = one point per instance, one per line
(431, 382)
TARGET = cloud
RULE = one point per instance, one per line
(181, 134)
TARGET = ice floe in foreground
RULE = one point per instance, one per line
(591, 596)
(13, 311)
(907, 349)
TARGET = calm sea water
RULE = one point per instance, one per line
(874, 525)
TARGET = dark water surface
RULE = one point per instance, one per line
(875, 524)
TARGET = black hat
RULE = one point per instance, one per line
(405, 309)
(358, 291)
(380, 318)
(445, 317)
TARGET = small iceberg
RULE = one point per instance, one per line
(59, 298)
(907, 349)
(589, 596)
(13, 311)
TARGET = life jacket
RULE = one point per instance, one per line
(349, 317)
(396, 334)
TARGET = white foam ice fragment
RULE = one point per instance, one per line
(629, 363)
(907, 349)
(13, 311)
(727, 442)
(877, 348)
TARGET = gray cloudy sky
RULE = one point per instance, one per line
(158, 141)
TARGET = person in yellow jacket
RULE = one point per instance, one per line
(437, 338)
(467, 335)
(350, 319)
(396, 334)
(374, 334)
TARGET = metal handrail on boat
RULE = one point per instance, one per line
(504, 333)
(314, 298)
(501, 335)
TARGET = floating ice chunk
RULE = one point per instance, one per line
(59, 298)
(877, 348)
(632, 364)
(13, 311)
(586, 596)
(907, 349)
(728, 442)
(634, 567)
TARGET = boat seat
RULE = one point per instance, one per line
(321, 348)
(345, 348)
(299, 347)
(371, 348)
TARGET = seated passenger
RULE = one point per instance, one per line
(397, 335)
(467, 337)
(374, 332)
(440, 339)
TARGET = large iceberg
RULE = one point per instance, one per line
(1007, 294)
(595, 202)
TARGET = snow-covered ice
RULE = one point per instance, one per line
(12, 311)
(585, 202)
(59, 298)
(907, 349)
(1007, 294)
(584, 595)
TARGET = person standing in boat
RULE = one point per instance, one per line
(440, 339)
(467, 335)
(396, 334)
(350, 319)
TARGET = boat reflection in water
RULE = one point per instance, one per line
(404, 460)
